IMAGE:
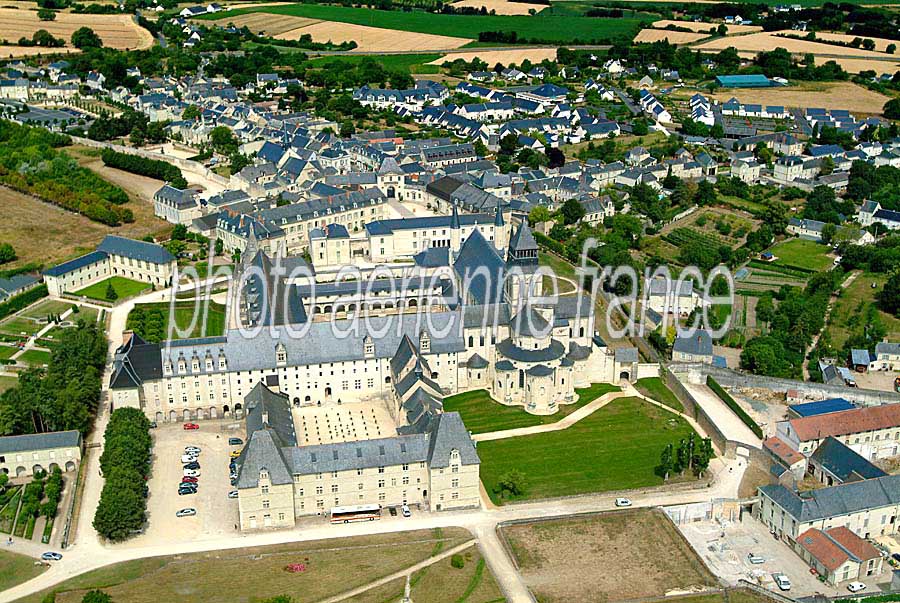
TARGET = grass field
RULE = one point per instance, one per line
(123, 287)
(333, 566)
(481, 414)
(558, 559)
(15, 569)
(800, 253)
(653, 387)
(6, 351)
(7, 382)
(17, 325)
(851, 310)
(44, 307)
(156, 320)
(552, 29)
(35, 357)
(597, 454)
(414, 63)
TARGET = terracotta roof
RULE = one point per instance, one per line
(782, 451)
(836, 546)
(847, 422)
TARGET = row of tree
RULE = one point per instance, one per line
(692, 454)
(152, 168)
(125, 464)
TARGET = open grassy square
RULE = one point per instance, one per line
(40, 310)
(15, 569)
(632, 555)
(332, 567)
(19, 326)
(653, 387)
(124, 287)
(615, 448)
(152, 321)
(482, 414)
(801, 253)
(35, 357)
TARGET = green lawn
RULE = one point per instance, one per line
(801, 253)
(481, 414)
(151, 321)
(615, 448)
(854, 307)
(17, 325)
(550, 28)
(653, 387)
(6, 351)
(124, 287)
(16, 569)
(35, 357)
(44, 307)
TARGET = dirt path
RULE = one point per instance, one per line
(847, 282)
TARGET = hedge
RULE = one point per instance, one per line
(152, 168)
(22, 300)
(734, 406)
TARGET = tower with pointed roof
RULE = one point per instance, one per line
(499, 229)
(455, 230)
(522, 256)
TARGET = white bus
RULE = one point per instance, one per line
(355, 513)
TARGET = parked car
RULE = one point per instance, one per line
(153, 425)
(51, 556)
(191, 450)
(191, 426)
(186, 491)
(623, 502)
(189, 480)
(405, 511)
(191, 473)
(782, 581)
(855, 587)
(235, 454)
(233, 494)
(190, 511)
(195, 466)
(188, 458)
(235, 442)
(896, 557)
(392, 511)
(755, 559)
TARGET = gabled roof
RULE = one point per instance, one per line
(136, 250)
(481, 269)
(858, 420)
(843, 462)
(39, 441)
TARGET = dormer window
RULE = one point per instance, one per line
(280, 354)
(424, 342)
(182, 366)
(264, 474)
(368, 347)
(168, 367)
(209, 364)
(221, 363)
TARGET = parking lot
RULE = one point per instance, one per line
(725, 549)
(216, 513)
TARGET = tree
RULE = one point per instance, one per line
(538, 214)
(191, 112)
(666, 462)
(889, 297)
(555, 157)
(222, 140)
(827, 166)
(828, 232)
(84, 37)
(572, 211)
(891, 109)
(480, 148)
(640, 128)
(347, 129)
(96, 596)
(111, 294)
(706, 193)
(7, 253)
(721, 30)
(717, 131)
(45, 14)
(891, 48)
(511, 484)
(703, 453)
(765, 309)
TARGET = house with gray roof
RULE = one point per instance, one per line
(26, 455)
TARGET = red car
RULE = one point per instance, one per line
(190, 426)
(189, 480)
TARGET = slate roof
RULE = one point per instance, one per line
(386, 227)
(837, 500)
(698, 344)
(843, 462)
(136, 250)
(39, 441)
(267, 409)
(626, 355)
(475, 256)
(529, 322)
(554, 351)
(79, 262)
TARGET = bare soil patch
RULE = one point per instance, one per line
(606, 557)
(267, 23)
(502, 7)
(760, 41)
(840, 95)
(373, 39)
(674, 37)
(491, 57)
(705, 27)
(116, 31)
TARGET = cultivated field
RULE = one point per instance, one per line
(373, 39)
(507, 57)
(674, 37)
(705, 27)
(264, 23)
(12, 52)
(501, 7)
(760, 41)
(839, 95)
(631, 555)
(116, 31)
(880, 43)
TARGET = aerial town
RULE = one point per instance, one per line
(433, 301)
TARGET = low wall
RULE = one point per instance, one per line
(697, 372)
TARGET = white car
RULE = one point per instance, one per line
(191, 450)
(233, 494)
(191, 473)
(186, 512)
(404, 510)
(782, 581)
(755, 559)
(188, 458)
(623, 502)
(855, 587)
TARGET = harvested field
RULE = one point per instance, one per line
(268, 24)
(880, 43)
(30, 51)
(757, 42)
(116, 31)
(840, 95)
(373, 39)
(674, 37)
(704, 27)
(491, 57)
(501, 7)
(559, 559)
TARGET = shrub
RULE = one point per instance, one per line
(457, 561)
(734, 406)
